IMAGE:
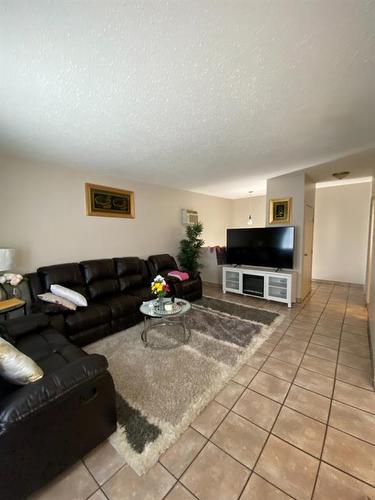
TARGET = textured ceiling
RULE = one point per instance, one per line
(212, 96)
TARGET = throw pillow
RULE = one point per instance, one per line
(55, 299)
(67, 293)
(16, 367)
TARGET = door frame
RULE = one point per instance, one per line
(370, 250)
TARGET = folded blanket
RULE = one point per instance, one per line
(179, 275)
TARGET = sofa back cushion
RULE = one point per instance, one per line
(100, 277)
(132, 272)
(162, 262)
(68, 275)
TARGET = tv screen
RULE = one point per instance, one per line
(264, 247)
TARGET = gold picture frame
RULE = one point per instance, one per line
(280, 211)
(104, 201)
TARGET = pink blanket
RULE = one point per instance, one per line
(179, 275)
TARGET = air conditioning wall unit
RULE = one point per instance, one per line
(189, 217)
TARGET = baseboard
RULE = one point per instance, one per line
(215, 285)
(338, 283)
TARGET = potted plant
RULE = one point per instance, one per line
(190, 248)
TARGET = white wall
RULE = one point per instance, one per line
(43, 216)
(241, 208)
(291, 186)
(341, 232)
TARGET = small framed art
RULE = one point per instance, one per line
(280, 211)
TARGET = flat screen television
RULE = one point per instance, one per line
(263, 247)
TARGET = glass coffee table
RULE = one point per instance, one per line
(175, 331)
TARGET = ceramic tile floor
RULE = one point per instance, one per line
(297, 422)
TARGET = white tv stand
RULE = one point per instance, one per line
(261, 282)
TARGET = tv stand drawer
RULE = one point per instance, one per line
(278, 282)
(277, 293)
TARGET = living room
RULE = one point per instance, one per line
(145, 356)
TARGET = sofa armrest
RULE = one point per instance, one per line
(38, 395)
(25, 325)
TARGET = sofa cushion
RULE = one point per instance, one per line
(132, 272)
(82, 319)
(101, 278)
(49, 349)
(121, 305)
(68, 275)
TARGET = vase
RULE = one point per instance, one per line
(160, 303)
(16, 292)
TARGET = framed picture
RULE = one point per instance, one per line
(105, 201)
(280, 211)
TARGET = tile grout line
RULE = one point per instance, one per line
(330, 405)
(231, 410)
(258, 369)
(92, 475)
(209, 438)
(277, 416)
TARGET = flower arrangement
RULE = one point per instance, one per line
(159, 286)
(11, 278)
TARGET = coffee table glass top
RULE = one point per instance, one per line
(151, 309)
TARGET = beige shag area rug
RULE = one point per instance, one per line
(160, 392)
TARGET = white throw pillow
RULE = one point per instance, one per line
(55, 299)
(16, 367)
(67, 293)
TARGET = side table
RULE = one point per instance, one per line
(10, 305)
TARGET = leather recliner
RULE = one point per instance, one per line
(104, 288)
(134, 277)
(190, 289)
(48, 425)
(86, 324)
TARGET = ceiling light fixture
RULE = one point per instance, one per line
(250, 219)
(340, 175)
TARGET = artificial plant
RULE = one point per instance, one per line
(190, 248)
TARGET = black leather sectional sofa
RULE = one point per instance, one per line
(48, 425)
(115, 289)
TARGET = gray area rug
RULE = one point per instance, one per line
(245, 312)
(160, 392)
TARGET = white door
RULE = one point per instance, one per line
(307, 250)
